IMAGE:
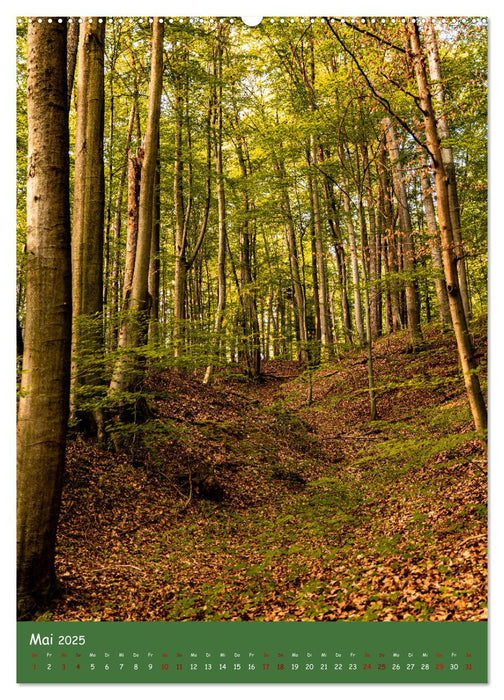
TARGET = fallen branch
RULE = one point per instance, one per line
(351, 437)
(469, 539)
(112, 566)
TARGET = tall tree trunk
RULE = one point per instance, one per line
(72, 47)
(154, 264)
(359, 327)
(437, 93)
(134, 175)
(393, 315)
(463, 338)
(325, 330)
(335, 229)
(88, 213)
(412, 300)
(374, 248)
(315, 326)
(435, 251)
(365, 254)
(43, 406)
(116, 239)
(299, 293)
(180, 228)
(134, 321)
(221, 207)
(250, 323)
(184, 261)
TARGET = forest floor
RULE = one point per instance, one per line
(240, 501)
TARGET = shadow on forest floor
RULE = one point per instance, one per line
(241, 502)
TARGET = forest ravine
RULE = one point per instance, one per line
(310, 512)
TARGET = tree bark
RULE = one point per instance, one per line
(463, 338)
(43, 406)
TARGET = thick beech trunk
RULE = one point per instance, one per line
(43, 405)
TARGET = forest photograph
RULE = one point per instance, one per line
(251, 319)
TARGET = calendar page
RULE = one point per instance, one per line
(251, 312)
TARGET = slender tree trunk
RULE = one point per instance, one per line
(369, 336)
(393, 315)
(437, 94)
(249, 321)
(355, 268)
(464, 343)
(435, 251)
(221, 206)
(315, 355)
(325, 332)
(154, 264)
(183, 260)
(72, 47)
(133, 325)
(299, 295)
(116, 239)
(134, 175)
(88, 214)
(43, 406)
(374, 248)
(180, 228)
(334, 227)
(412, 301)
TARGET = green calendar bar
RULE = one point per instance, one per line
(252, 652)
